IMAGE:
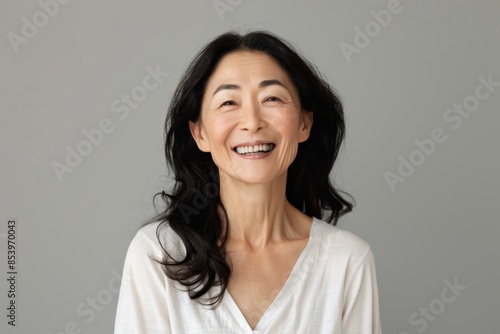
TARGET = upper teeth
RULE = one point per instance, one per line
(255, 148)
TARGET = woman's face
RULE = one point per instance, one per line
(251, 119)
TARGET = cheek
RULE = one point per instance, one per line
(287, 125)
(289, 130)
(218, 128)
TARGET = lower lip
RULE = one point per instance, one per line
(260, 155)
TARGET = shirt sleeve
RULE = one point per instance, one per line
(142, 308)
(361, 305)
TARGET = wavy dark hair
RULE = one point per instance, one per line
(193, 207)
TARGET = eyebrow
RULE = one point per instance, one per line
(262, 84)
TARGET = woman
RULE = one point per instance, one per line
(252, 134)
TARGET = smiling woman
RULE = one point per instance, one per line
(254, 103)
(256, 122)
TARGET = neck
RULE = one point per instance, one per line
(259, 214)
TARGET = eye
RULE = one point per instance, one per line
(228, 103)
(272, 99)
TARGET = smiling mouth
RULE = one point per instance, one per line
(254, 149)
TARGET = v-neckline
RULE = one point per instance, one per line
(284, 293)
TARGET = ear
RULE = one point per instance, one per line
(199, 135)
(306, 121)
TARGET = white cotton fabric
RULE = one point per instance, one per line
(331, 290)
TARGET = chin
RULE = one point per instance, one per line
(257, 177)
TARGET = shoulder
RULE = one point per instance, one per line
(341, 239)
(154, 239)
(342, 247)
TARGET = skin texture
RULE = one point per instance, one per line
(250, 99)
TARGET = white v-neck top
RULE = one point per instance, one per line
(331, 289)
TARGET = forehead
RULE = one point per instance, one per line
(247, 65)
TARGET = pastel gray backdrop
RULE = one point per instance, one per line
(402, 83)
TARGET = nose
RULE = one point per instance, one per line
(251, 118)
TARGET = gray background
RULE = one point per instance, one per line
(440, 224)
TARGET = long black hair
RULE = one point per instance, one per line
(193, 207)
